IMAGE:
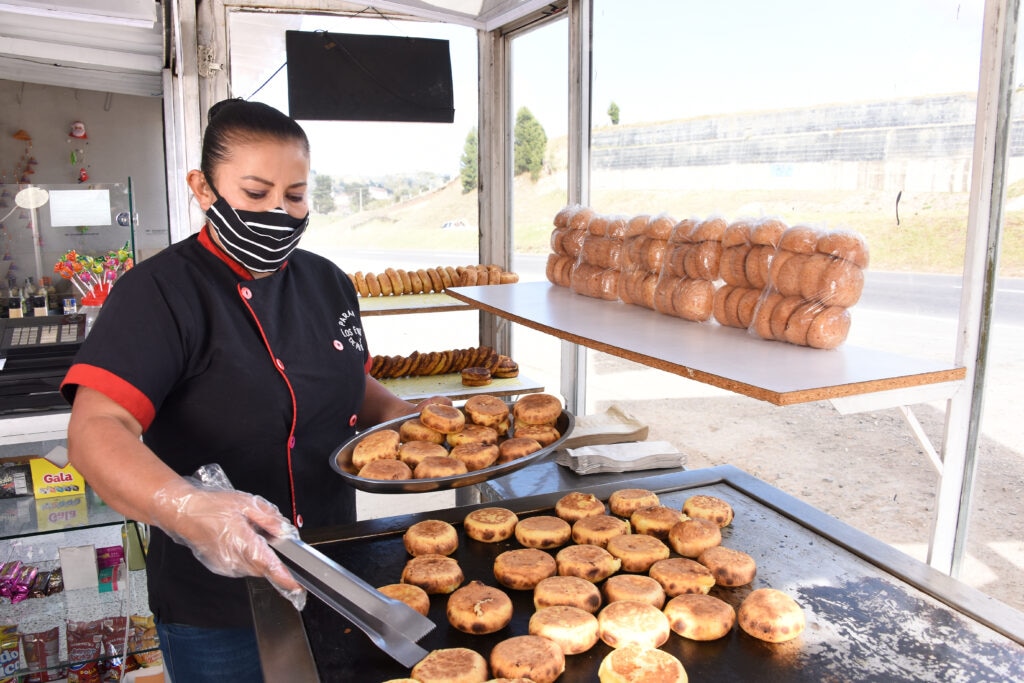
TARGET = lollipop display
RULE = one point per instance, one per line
(93, 276)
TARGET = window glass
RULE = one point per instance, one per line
(838, 116)
(383, 194)
(540, 115)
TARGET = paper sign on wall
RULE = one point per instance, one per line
(79, 207)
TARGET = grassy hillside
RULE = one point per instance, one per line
(930, 236)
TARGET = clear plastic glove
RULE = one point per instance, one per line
(222, 528)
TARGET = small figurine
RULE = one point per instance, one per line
(83, 176)
(78, 130)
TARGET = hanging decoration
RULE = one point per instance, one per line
(76, 156)
(27, 163)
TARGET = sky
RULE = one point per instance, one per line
(661, 60)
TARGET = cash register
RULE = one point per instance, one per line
(35, 354)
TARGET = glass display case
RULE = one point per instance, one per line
(62, 242)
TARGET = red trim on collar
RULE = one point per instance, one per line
(206, 240)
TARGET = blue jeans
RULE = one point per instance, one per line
(193, 654)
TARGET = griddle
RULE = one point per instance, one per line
(873, 613)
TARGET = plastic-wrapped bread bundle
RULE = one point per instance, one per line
(596, 272)
(643, 253)
(734, 301)
(685, 287)
(633, 259)
(571, 225)
(814, 278)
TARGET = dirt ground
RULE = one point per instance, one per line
(865, 469)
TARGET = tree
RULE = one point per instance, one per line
(613, 113)
(530, 144)
(323, 194)
(469, 165)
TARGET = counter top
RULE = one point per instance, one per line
(725, 357)
(873, 613)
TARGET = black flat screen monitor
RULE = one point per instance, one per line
(351, 77)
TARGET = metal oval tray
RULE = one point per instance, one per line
(341, 462)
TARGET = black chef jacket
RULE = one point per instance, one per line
(264, 377)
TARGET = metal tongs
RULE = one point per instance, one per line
(391, 624)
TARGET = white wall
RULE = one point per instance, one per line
(125, 139)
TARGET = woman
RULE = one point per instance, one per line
(229, 348)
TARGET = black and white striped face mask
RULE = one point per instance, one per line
(259, 240)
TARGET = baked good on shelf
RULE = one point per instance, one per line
(476, 377)
(829, 328)
(490, 524)
(711, 508)
(506, 368)
(844, 244)
(433, 573)
(479, 608)
(375, 446)
(693, 536)
(636, 664)
(442, 418)
(655, 520)
(678, 575)
(567, 590)
(574, 630)
(624, 502)
(537, 409)
(436, 466)
(523, 568)
(780, 314)
(729, 566)
(517, 447)
(545, 435)
(633, 587)
(842, 283)
(576, 505)
(589, 562)
(543, 531)
(771, 615)
(486, 410)
(386, 470)
(413, 596)
(598, 529)
(473, 434)
(414, 430)
(451, 665)
(799, 322)
(631, 622)
(533, 657)
(372, 285)
(430, 537)
(637, 551)
(413, 452)
(700, 617)
(802, 239)
(476, 456)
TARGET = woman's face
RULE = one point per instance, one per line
(260, 175)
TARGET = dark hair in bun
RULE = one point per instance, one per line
(237, 121)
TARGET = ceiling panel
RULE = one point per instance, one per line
(106, 45)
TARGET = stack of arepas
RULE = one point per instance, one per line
(397, 281)
(595, 272)
(444, 441)
(686, 287)
(792, 284)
